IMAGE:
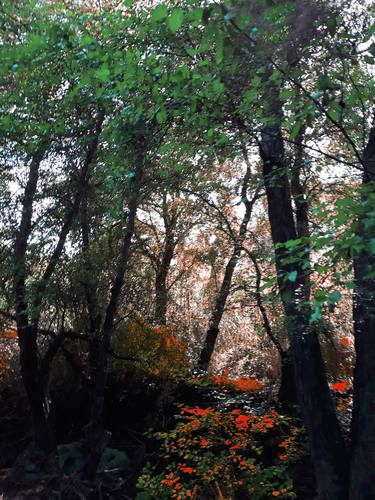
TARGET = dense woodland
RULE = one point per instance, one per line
(187, 242)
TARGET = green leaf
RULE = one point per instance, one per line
(295, 130)
(256, 80)
(369, 59)
(159, 13)
(197, 13)
(292, 276)
(175, 20)
(370, 32)
(292, 243)
(161, 116)
(341, 219)
(102, 73)
(114, 459)
(316, 314)
(320, 295)
(191, 52)
(334, 296)
(267, 284)
(217, 86)
(210, 133)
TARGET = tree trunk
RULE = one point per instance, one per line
(326, 441)
(362, 485)
(221, 298)
(288, 389)
(89, 283)
(27, 335)
(35, 373)
(161, 290)
(97, 437)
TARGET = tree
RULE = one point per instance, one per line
(222, 295)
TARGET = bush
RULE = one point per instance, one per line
(158, 352)
(212, 454)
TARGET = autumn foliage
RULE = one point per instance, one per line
(226, 382)
(214, 454)
(341, 386)
(7, 354)
(156, 350)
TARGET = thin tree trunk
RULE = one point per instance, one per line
(97, 438)
(27, 335)
(288, 389)
(161, 289)
(89, 283)
(326, 441)
(69, 218)
(362, 486)
(221, 298)
(34, 371)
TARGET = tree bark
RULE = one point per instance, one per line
(161, 289)
(27, 335)
(97, 437)
(326, 441)
(34, 370)
(362, 485)
(221, 298)
(89, 283)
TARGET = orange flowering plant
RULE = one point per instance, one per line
(226, 382)
(341, 386)
(214, 454)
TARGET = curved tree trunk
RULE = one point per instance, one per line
(34, 370)
(221, 298)
(217, 314)
(27, 334)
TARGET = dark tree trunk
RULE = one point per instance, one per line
(161, 289)
(222, 296)
(326, 441)
(217, 314)
(90, 283)
(97, 437)
(288, 388)
(363, 424)
(34, 371)
(27, 335)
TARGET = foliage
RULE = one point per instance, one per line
(156, 351)
(71, 458)
(224, 381)
(213, 454)
(341, 385)
(8, 357)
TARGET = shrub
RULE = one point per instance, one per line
(225, 382)
(212, 454)
(158, 352)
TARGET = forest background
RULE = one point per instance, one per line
(187, 198)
